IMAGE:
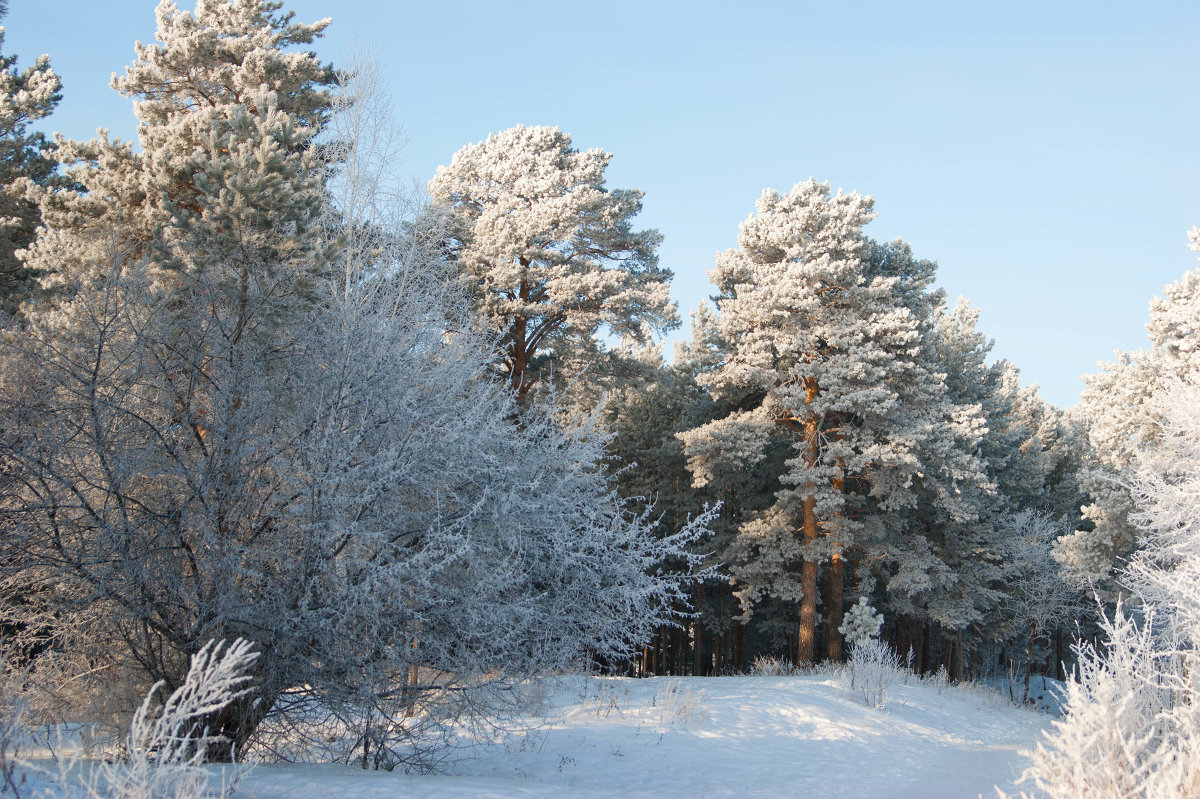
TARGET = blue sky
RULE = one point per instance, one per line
(1045, 154)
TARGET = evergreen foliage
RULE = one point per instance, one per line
(549, 254)
(25, 97)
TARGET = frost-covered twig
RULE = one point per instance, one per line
(12, 732)
(166, 750)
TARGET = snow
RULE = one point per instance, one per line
(719, 736)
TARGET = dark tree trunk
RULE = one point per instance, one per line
(837, 577)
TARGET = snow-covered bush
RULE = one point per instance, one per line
(1121, 733)
(861, 624)
(874, 669)
(773, 666)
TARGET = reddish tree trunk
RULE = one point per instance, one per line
(806, 635)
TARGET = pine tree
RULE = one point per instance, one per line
(228, 185)
(818, 353)
(25, 97)
(549, 254)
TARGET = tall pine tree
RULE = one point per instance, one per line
(819, 353)
(549, 253)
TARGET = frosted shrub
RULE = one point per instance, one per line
(861, 624)
(165, 751)
(768, 666)
(874, 669)
(677, 705)
(1129, 726)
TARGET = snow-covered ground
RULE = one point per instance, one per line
(804, 736)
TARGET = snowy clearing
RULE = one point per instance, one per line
(724, 736)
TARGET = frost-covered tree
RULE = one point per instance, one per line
(862, 623)
(1037, 597)
(1166, 487)
(549, 253)
(25, 97)
(1008, 452)
(1116, 406)
(931, 552)
(723, 627)
(359, 505)
(178, 273)
(923, 552)
(819, 350)
(228, 184)
(1131, 725)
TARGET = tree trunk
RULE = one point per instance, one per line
(1028, 662)
(518, 358)
(233, 725)
(1060, 667)
(837, 579)
(900, 641)
(806, 634)
(719, 638)
(520, 354)
(922, 646)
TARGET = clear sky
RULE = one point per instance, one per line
(1045, 154)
